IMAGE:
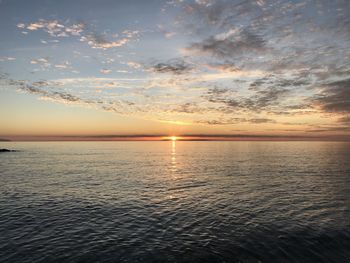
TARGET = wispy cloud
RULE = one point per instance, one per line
(105, 71)
(229, 44)
(54, 96)
(2, 59)
(54, 28)
(257, 102)
(335, 97)
(63, 65)
(100, 42)
(175, 66)
(134, 64)
(230, 121)
(95, 40)
(42, 62)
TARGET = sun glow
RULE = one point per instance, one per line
(173, 138)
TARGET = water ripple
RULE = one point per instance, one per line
(189, 202)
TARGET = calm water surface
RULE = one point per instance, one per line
(175, 202)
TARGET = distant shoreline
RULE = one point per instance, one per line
(189, 140)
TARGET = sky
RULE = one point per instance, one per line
(259, 68)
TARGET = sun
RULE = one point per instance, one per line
(173, 138)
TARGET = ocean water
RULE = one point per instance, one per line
(175, 202)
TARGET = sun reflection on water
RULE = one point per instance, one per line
(173, 155)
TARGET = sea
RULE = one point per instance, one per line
(182, 201)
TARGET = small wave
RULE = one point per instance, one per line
(181, 187)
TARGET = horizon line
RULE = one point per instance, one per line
(181, 137)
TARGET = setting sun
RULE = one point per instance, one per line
(173, 138)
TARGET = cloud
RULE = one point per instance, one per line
(169, 34)
(345, 120)
(35, 26)
(264, 98)
(100, 42)
(45, 83)
(166, 33)
(64, 65)
(175, 66)
(2, 59)
(335, 97)
(39, 61)
(112, 84)
(105, 71)
(229, 44)
(207, 11)
(261, 120)
(108, 61)
(61, 66)
(131, 33)
(254, 35)
(42, 62)
(21, 25)
(260, 100)
(230, 121)
(216, 91)
(122, 71)
(47, 90)
(75, 29)
(329, 128)
(54, 28)
(189, 108)
(204, 2)
(223, 67)
(58, 29)
(133, 64)
(56, 96)
(111, 109)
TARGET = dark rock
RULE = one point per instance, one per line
(6, 150)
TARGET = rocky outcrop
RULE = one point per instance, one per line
(6, 150)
